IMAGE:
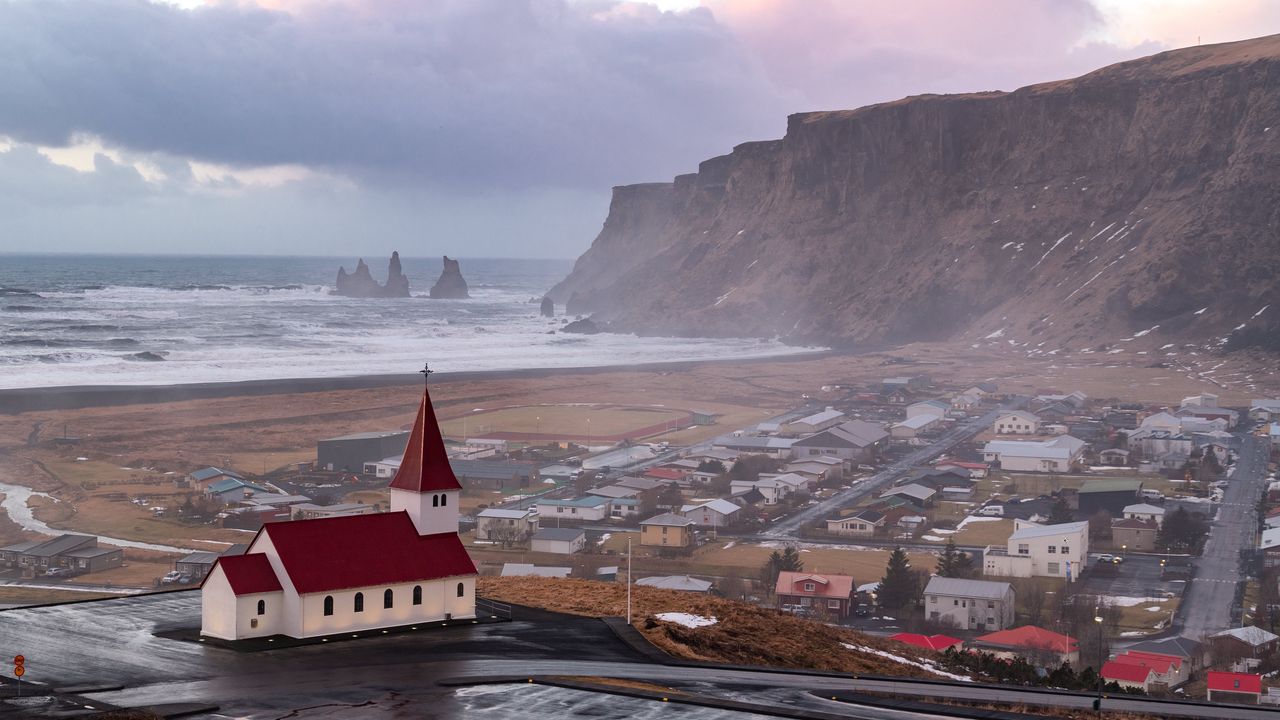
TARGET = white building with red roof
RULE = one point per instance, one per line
(309, 578)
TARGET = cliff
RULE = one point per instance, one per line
(1138, 204)
(361, 283)
(450, 284)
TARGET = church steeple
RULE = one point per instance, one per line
(425, 485)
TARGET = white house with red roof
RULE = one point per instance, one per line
(309, 578)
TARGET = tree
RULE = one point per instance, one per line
(1100, 526)
(1182, 531)
(671, 497)
(749, 467)
(953, 562)
(899, 586)
(507, 535)
(712, 466)
(1060, 512)
(788, 560)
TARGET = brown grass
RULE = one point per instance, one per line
(14, 595)
(744, 634)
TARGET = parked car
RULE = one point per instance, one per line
(171, 577)
(991, 511)
(58, 572)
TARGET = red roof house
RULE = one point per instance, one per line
(664, 473)
(1234, 687)
(936, 643)
(1128, 675)
(813, 593)
(1029, 642)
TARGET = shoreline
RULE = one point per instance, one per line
(15, 401)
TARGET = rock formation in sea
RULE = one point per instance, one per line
(585, 326)
(1137, 204)
(451, 285)
(548, 307)
(361, 283)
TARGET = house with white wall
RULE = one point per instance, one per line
(520, 523)
(1035, 550)
(591, 508)
(1017, 422)
(936, 408)
(969, 604)
(1059, 454)
(350, 574)
(562, 541)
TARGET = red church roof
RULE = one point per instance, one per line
(248, 574)
(1235, 682)
(937, 643)
(1126, 672)
(354, 551)
(425, 466)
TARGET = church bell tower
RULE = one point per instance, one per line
(425, 485)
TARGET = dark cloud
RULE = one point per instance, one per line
(461, 92)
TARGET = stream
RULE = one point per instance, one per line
(15, 505)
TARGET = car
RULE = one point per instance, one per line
(1108, 557)
(862, 610)
(991, 511)
(171, 577)
(57, 572)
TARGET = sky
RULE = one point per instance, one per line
(478, 128)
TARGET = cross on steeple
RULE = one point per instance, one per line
(426, 373)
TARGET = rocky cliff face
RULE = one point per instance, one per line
(1134, 207)
(361, 283)
(451, 284)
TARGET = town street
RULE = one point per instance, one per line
(789, 527)
(1209, 597)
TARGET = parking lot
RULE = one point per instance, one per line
(1137, 576)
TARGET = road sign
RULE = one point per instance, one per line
(18, 669)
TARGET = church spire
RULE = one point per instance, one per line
(425, 466)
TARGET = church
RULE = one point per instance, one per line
(308, 578)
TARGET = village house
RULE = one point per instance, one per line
(591, 508)
(205, 477)
(920, 494)
(1131, 676)
(812, 592)
(1263, 410)
(712, 513)
(496, 474)
(1144, 511)
(1167, 670)
(1035, 550)
(561, 541)
(966, 402)
(193, 567)
(914, 427)
(855, 441)
(1234, 687)
(531, 570)
(667, 530)
(1017, 422)
(309, 578)
(935, 643)
(969, 604)
(813, 423)
(1114, 457)
(512, 525)
(935, 408)
(1041, 647)
(1249, 641)
(1110, 494)
(1189, 651)
(233, 490)
(755, 445)
(975, 470)
(865, 523)
(1058, 455)
(820, 467)
(312, 511)
(1134, 534)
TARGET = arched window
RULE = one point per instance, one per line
(435, 501)
(262, 607)
(388, 598)
(417, 594)
(359, 606)
(328, 604)
(462, 590)
(444, 500)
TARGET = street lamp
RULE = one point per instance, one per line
(1097, 704)
(1124, 550)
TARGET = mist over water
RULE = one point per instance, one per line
(144, 320)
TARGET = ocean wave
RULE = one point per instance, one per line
(22, 308)
(16, 292)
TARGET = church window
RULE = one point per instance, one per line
(388, 598)
(262, 607)
(435, 501)
(462, 590)
(444, 500)
(359, 605)
(328, 604)
(417, 594)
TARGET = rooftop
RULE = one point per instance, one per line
(425, 466)
(1031, 530)
(683, 583)
(1032, 637)
(959, 587)
(668, 520)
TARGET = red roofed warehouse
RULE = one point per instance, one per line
(813, 593)
(1230, 687)
(308, 578)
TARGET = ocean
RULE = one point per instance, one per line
(159, 320)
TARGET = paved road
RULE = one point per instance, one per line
(1209, 597)
(790, 527)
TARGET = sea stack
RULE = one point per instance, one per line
(361, 283)
(451, 285)
(548, 307)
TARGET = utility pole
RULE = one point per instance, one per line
(628, 579)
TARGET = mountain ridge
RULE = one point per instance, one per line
(1140, 199)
